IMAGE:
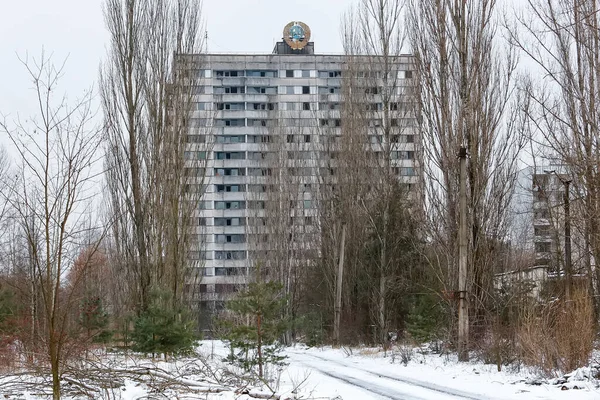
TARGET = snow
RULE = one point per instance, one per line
(443, 376)
(341, 374)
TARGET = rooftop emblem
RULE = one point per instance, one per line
(296, 34)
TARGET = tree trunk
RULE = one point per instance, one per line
(259, 346)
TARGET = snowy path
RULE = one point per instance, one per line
(375, 385)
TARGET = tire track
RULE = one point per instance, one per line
(408, 381)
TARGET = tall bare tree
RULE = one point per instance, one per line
(57, 155)
(465, 87)
(155, 173)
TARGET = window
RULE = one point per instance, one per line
(230, 255)
(305, 89)
(306, 138)
(237, 155)
(290, 138)
(225, 288)
(193, 155)
(408, 74)
(227, 74)
(541, 214)
(289, 73)
(329, 90)
(229, 89)
(194, 172)
(330, 106)
(230, 122)
(230, 138)
(306, 73)
(195, 139)
(229, 172)
(407, 171)
(330, 74)
(230, 106)
(257, 205)
(260, 171)
(228, 271)
(402, 155)
(260, 139)
(221, 238)
(289, 89)
(261, 73)
(229, 222)
(229, 205)
(306, 203)
(229, 188)
(205, 205)
(202, 221)
(542, 247)
(306, 106)
(262, 90)
(262, 106)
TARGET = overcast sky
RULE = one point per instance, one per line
(75, 29)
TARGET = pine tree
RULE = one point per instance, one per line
(94, 319)
(257, 342)
(164, 328)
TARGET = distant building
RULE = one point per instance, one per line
(538, 224)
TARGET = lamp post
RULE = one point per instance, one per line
(567, 209)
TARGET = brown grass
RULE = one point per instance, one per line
(558, 337)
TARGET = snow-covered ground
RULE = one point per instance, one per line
(325, 373)
(367, 374)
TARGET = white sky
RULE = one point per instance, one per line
(75, 29)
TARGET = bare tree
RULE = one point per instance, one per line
(562, 39)
(57, 154)
(155, 172)
(465, 86)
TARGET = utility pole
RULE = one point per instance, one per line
(568, 271)
(463, 307)
(338, 289)
(567, 209)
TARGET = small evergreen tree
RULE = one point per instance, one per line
(164, 328)
(94, 319)
(255, 325)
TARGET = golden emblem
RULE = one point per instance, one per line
(296, 34)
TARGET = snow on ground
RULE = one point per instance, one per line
(341, 374)
(425, 377)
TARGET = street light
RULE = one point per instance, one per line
(567, 208)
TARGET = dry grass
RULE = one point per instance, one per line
(558, 336)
